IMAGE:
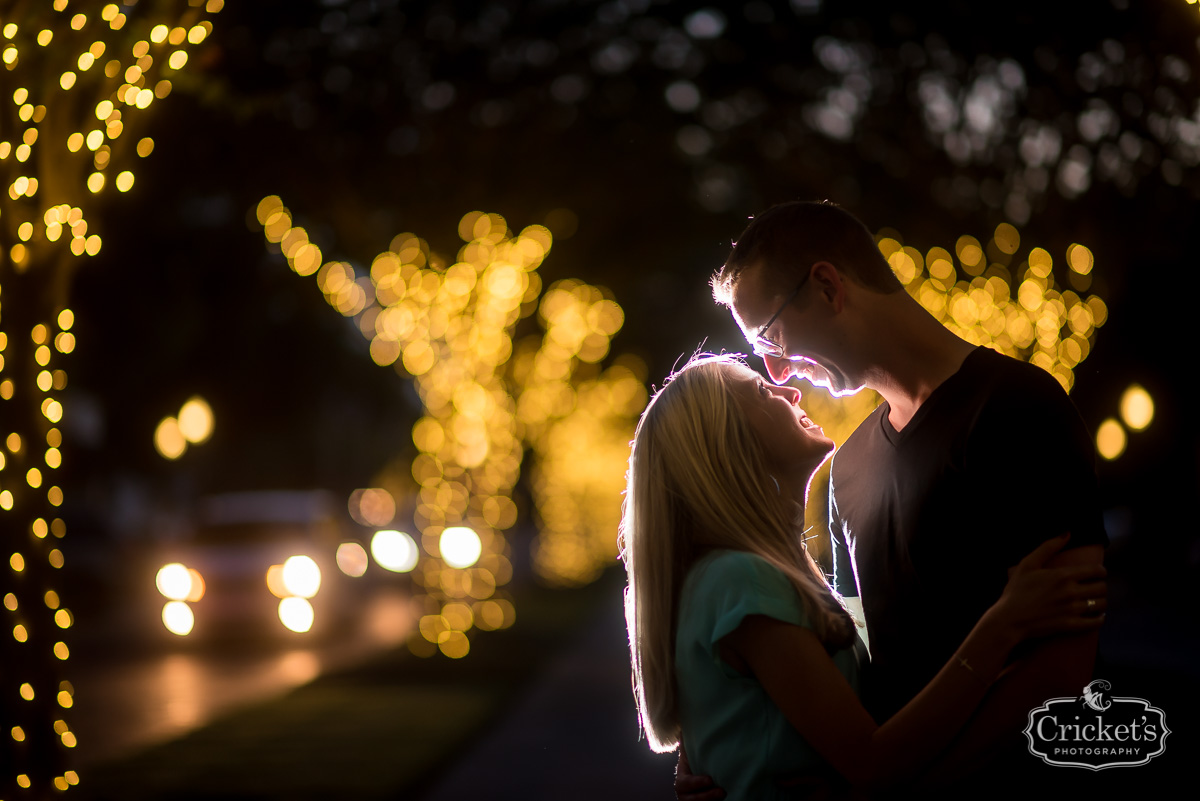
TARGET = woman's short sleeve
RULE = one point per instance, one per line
(733, 585)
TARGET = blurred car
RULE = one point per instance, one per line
(261, 562)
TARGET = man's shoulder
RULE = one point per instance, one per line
(1009, 382)
(1027, 412)
(1011, 370)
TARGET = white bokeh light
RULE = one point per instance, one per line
(178, 618)
(394, 550)
(296, 614)
(174, 581)
(301, 576)
(460, 546)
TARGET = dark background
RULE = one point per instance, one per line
(373, 118)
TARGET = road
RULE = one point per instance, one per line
(135, 689)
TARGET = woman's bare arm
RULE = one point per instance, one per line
(824, 709)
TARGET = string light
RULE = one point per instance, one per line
(64, 112)
(986, 296)
(448, 326)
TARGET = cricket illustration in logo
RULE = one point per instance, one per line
(1093, 695)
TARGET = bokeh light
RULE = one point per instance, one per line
(174, 581)
(196, 420)
(352, 559)
(394, 550)
(301, 576)
(994, 297)
(1110, 439)
(372, 507)
(196, 589)
(275, 582)
(1137, 408)
(193, 425)
(296, 614)
(178, 618)
(447, 324)
(168, 439)
(460, 546)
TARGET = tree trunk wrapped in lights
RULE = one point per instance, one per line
(77, 82)
(449, 327)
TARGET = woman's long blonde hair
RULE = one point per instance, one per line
(699, 480)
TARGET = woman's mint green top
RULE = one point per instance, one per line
(732, 730)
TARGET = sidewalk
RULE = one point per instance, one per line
(573, 735)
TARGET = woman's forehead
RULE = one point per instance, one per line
(742, 379)
(743, 373)
(733, 371)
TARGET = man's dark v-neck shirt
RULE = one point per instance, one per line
(926, 521)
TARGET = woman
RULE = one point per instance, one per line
(737, 643)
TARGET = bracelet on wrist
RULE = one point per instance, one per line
(962, 661)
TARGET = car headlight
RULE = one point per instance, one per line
(180, 583)
(394, 550)
(296, 614)
(178, 618)
(301, 577)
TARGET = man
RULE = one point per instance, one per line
(972, 460)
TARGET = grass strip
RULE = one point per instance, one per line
(374, 731)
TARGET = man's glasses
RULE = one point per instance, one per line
(765, 347)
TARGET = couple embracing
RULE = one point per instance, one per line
(964, 521)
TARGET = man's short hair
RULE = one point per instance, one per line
(788, 239)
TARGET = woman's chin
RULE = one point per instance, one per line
(817, 450)
(820, 442)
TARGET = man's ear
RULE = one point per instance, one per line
(830, 284)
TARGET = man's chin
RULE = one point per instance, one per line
(841, 392)
(835, 385)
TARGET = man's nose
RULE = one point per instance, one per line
(779, 369)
